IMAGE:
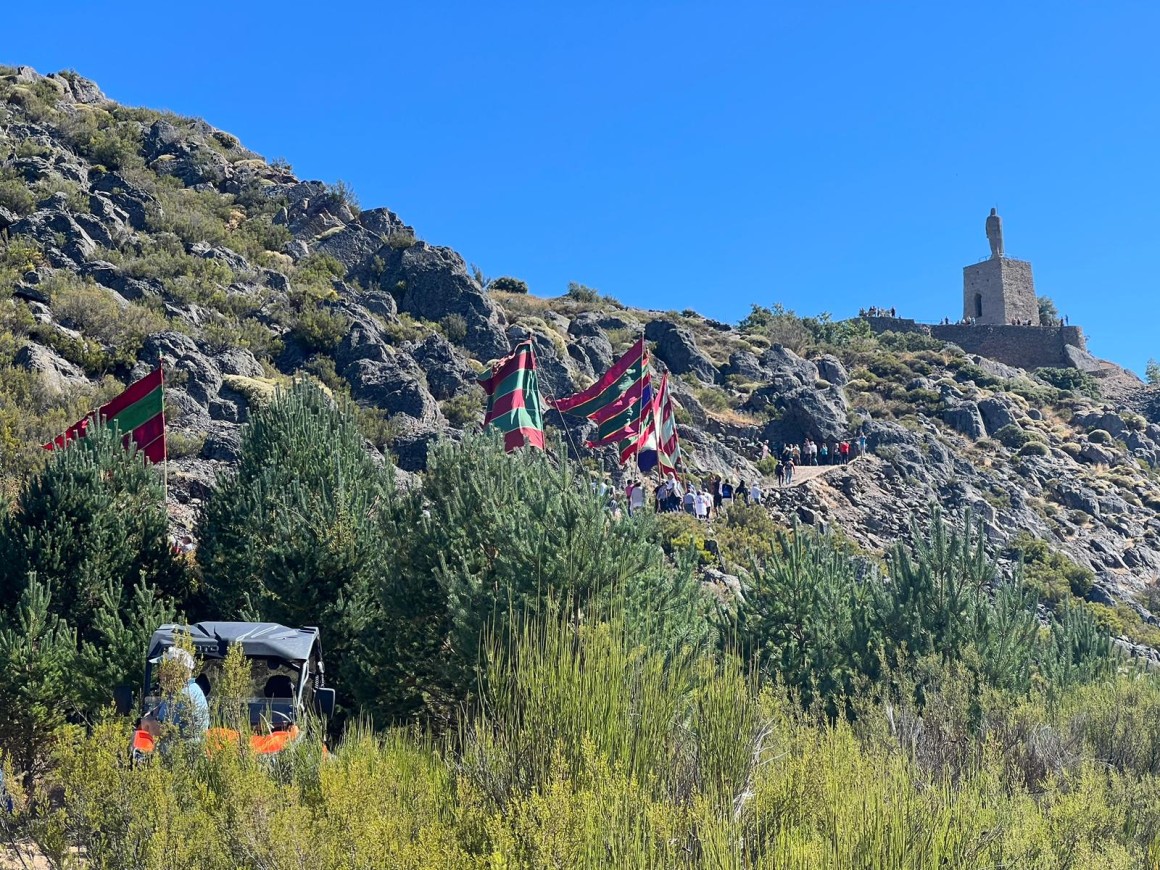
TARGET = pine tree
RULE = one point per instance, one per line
(37, 652)
(506, 535)
(805, 619)
(298, 531)
(90, 526)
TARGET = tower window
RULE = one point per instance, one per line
(978, 305)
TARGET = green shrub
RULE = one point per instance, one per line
(972, 372)
(15, 196)
(315, 275)
(1013, 436)
(318, 329)
(464, 409)
(580, 293)
(1048, 571)
(100, 315)
(1034, 448)
(1100, 436)
(1069, 380)
(507, 284)
(454, 326)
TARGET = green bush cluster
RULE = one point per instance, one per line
(1070, 381)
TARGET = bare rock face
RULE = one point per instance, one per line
(395, 384)
(432, 283)
(965, 418)
(677, 347)
(57, 373)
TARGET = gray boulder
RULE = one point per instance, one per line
(364, 339)
(677, 348)
(447, 371)
(788, 370)
(822, 415)
(358, 243)
(997, 413)
(395, 384)
(965, 418)
(64, 241)
(832, 370)
(744, 365)
(56, 373)
(431, 283)
(238, 361)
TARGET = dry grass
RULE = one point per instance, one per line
(733, 417)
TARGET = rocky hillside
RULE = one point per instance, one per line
(132, 237)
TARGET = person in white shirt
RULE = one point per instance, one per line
(636, 498)
(755, 492)
(701, 504)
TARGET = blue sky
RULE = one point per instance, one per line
(678, 155)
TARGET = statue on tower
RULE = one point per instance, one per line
(995, 234)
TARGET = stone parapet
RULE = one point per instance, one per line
(1025, 347)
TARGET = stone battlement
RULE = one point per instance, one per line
(1025, 347)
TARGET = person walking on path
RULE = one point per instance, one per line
(781, 472)
(690, 501)
(844, 447)
(741, 493)
(789, 466)
(701, 504)
(862, 444)
(824, 454)
(715, 491)
(755, 492)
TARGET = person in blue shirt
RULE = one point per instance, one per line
(190, 710)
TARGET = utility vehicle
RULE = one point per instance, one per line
(287, 681)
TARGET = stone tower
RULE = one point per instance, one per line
(1001, 289)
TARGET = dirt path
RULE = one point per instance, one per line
(805, 473)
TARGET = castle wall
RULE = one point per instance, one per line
(1025, 347)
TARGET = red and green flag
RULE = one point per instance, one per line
(139, 412)
(513, 399)
(616, 401)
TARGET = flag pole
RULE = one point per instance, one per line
(640, 402)
(165, 442)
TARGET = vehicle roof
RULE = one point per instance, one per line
(257, 639)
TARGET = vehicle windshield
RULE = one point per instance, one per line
(272, 692)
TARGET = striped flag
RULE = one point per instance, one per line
(616, 401)
(668, 444)
(139, 412)
(657, 442)
(643, 444)
(513, 399)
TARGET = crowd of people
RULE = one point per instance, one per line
(708, 498)
(673, 495)
(875, 311)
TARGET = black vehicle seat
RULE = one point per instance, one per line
(279, 686)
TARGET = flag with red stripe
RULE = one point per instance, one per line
(616, 401)
(138, 412)
(668, 444)
(513, 399)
